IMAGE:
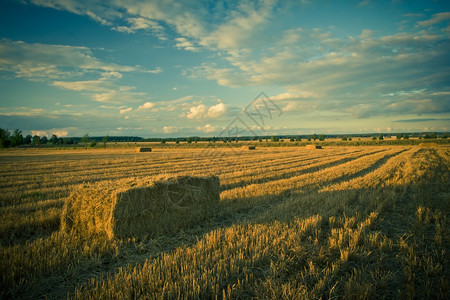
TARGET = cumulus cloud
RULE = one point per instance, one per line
(146, 106)
(207, 128)
(201, 111)
(170, 129)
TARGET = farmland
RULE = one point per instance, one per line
(343, 221)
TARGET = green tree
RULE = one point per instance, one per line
(380, 138)
(314, 136)
(16, 138)
(85, 139)
(105, 140)
(54, 139)
(28, 139)
(44, 140)
(298, 139)
(291, 139)
(4, 138)
(321, 137)
(344, 138)
(36, 140)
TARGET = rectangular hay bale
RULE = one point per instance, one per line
(313, 147)
(164, 207)
(143, 149)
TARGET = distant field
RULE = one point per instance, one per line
(345, 221)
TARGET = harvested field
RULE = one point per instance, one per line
(343, 222)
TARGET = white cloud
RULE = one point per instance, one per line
(208, 128)
(201, 111)
(146, 106)
(49, 133)
(140, 23)
(291, 96)
(197, 112)
(216, 111)
(183, 43)
(170, 129)
(125, 110)
(437, 18)
(60, 64)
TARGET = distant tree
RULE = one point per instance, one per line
(349, 138)
(28, 139)
(4, 138)
(309, 139)
(314, 136)
(374, 138)
(298, 139)
(444, 137)
(275, 139)
(105, 140)
(399, 136)
(54, 139)
(321, 137)
(85, 138)
(36, 140)
(406, 137)
(380, 138)
(67, 141)
(163, 141)
(344, 138)
(92, 144)
(292, 139)
(260, 140)
(427, 136)
(16, 138)
(61, 141)
(44, 140)
(433, 136)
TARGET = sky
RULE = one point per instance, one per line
(168, 68)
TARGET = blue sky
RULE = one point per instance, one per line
(183, 68)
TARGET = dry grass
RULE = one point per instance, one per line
(343, 222)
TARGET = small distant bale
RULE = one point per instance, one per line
(142, 149)
(163, 207)
(313, 147)
(428, 145)
(251, 147)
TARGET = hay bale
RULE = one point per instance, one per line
(313, 147)
(251, 147)
(163, 207)
(142, 149)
